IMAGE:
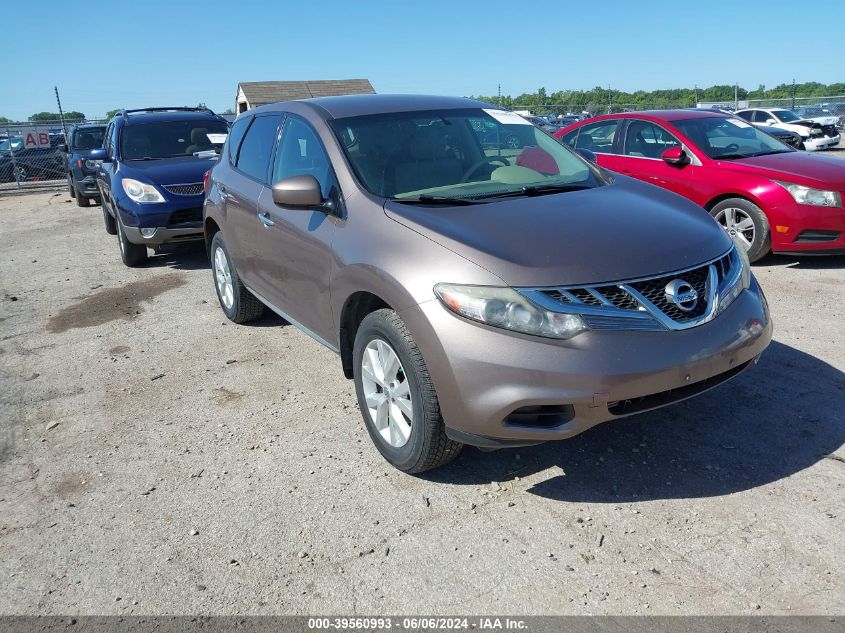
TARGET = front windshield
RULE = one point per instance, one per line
(468, 153)
(729, 137)
(170, 139)
(88, 138)
(785, 116)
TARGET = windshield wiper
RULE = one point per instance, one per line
(731, 156)
(540, 190)
(147, 158)
(443, 200)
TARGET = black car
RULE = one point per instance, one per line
(793, 139)
(21, 164)
(81, 172)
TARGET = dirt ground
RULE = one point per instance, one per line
(155, 458)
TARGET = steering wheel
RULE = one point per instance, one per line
(733, 148)
(486, 161)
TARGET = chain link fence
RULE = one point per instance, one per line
(31, 156)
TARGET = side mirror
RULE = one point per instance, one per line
(298, 192)
(587, 155)
(675, 156)
(100, 153)
(63, 147)
(771, 122)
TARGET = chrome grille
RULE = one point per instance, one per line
(642, 304)
(655, 291)
(189, 189)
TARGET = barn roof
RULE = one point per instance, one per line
(263, 92)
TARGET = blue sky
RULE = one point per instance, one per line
(181, 52)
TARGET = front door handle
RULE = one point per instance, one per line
(265, 219)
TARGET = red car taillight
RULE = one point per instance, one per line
(206, 177)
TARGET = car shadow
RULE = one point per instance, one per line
(772, 421)
(190, 256)
(803, 262)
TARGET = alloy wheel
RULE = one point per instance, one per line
(387, 393)
(738, 225)
(223, 277)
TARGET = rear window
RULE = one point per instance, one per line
(88, 138)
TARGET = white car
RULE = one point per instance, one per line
(820, 115)
(814, 135)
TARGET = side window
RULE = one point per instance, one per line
(747, 115)
(761, 116)
(569, 138)
(300, 152)
(598, 137)
(647, 140)
(235, 136)
(257, 146)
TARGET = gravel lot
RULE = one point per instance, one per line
(155, 458)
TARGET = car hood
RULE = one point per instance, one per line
(624, 230)
(168, 171)
(823, 172)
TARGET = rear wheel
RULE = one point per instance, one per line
(746, 224)
(71, 188)
(108, 220)
(82, 201)
(238, 303)
(397, 397)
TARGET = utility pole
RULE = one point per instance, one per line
(499, 102)
(696, 95)
(61, 114)
(736, 96)
(609, 100)
(793, 93)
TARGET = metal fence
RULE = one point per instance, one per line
(31, 157)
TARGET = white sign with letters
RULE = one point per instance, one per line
(35, 138)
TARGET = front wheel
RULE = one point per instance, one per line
(746, 224)
(397, 397)
(131, 254)
(71, 188)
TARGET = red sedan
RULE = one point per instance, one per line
(765, 194)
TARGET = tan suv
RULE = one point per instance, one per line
(477, 293)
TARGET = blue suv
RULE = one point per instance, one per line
(151, 176)
(81, 171)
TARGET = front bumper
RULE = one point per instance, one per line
(801, 228)
(170, 222)
(826, 142)
(165, 235)
(87, 186)
(484, 375)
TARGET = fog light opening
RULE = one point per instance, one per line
(148, 232)
(544, 416)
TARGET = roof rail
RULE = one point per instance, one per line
(165, 109)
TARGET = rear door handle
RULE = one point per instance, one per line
(265, 219)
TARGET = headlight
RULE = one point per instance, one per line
(739, 280)
(506, 308)
(814, 197)
(92, 164)
(141, 191)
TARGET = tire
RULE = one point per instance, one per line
(425, 444)
(108, 220)
(71, 188)
(133, 255)
(82, 201)
(237, 303)
(732, 215)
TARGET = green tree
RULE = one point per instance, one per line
(111, 113)
(5, 120)
(228, 111)
(45, 116)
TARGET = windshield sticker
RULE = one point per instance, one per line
(506, 117)
(739, 123)
(216, 138)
